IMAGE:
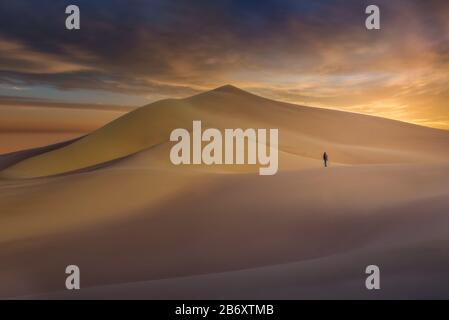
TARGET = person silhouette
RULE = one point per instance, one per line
(325, 159)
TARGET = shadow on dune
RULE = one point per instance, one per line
(12, 158)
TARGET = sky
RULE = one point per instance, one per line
(315, 53)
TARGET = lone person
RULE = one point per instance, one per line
(325, 159)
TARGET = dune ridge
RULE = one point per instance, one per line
(307, 132)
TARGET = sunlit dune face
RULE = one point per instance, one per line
(312, 53)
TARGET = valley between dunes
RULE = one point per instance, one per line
(112, 203)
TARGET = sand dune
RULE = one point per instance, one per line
(350, 138)
(331, 277)
(220, 223)
(139, 226)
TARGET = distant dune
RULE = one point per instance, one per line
(25, 124)
(138, 226)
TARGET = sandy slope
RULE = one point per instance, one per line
(350, 138)
(151, 229)
(331, 277)
(220, 223)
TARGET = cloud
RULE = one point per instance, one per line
(310, 52)
(17, 57)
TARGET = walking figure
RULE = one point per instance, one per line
(325, 159)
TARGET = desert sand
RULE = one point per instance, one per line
(139, 227)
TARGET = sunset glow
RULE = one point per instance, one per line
(315, 53)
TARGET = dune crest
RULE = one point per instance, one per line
(304, 131)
